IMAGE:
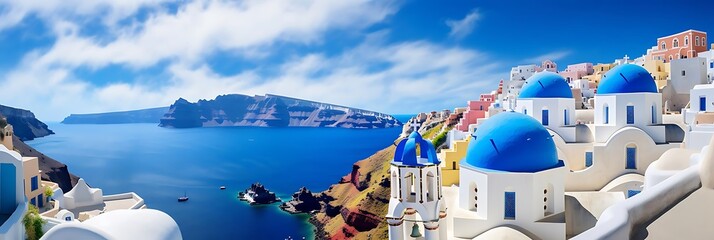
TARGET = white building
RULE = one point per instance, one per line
(584, 86)
(547, 97)
(628, 133)
(511, 177)
(416, 208)
(699, 117)
(685, 74)
(12, 195)
(709, 56)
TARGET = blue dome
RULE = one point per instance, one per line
(627, 78)
(545, 85)
(406, 153)
(512, 142)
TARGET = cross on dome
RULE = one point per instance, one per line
(415, 126)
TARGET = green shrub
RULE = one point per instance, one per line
(33, 223)
(440, 139)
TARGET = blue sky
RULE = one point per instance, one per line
(73, 56)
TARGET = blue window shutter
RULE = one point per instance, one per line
(631, 158)
(588, 159)
(703, 104)
(630, 114)
(510, 205)
(545, 117)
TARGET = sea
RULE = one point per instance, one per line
(162, 164)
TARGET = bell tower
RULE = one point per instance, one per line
(415, 206)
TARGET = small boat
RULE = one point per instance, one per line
(184, 198)
(223, 187)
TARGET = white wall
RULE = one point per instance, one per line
(617, 105)
(695, 72)
(698, 135)
(528, 188)
(557, 108)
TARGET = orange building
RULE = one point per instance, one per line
(686, 44)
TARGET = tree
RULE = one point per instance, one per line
(33, 223)
(49, 192)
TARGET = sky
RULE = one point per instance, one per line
(393, 56)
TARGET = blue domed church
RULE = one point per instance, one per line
(511, 175)
(547, 97)
(416, 209)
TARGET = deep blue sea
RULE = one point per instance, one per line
(160, 164)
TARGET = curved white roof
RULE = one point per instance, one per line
(120, 224)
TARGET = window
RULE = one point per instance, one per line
(588, 159)
(33, 201)
(632, 193)
(453, 165)
(702, 104)
(675, 43)
(686, 40)
(684, 73)
(663, 46)
(654, 114)
(607, 115)
(631, 158)
(696, 41)
(33, 183)
(565, 117)
(40, 201)
(481, 107)
(510, 206)
(670, 57)
(68, 219)
(525, 111)
(711, 64)
(630, 114)
(544, 117)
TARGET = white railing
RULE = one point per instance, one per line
(122, 196)
(622, 220)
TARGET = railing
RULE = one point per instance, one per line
(626, 219)
(121, 196)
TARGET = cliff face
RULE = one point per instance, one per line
(24, 123)
(151, 115)
(52, 170)
(27, 127)
(270, 111)
(355, 207)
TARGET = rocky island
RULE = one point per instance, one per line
(256, 194)
(270, 111)
(303, 201)
(150, 115)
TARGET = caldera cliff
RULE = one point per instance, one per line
(26, 127)
(270, 111)
(355, 207)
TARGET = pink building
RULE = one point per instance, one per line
(476, 110)
(577, 71)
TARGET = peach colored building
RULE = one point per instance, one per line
(577, 71)
(476, 110)
(686, 44)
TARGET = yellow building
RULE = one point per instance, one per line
(450, 159)
(34, 188)
(599, 70)
(659, 71)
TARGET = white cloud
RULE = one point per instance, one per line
(464, 27)
(402, 77)
(389, 77)
(107, 11)
(200, 28)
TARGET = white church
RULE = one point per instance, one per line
(543, 171)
